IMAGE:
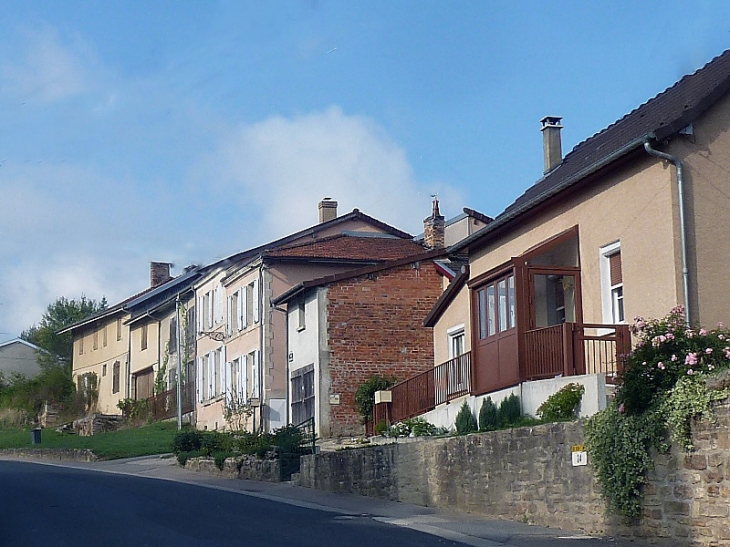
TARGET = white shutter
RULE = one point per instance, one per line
(243, 378)
(222, 367)
(256, 369)
(244, 307)
(199, 380)
(229, 320)
(256, 310)
(240, 307)
(229, 380)
(199, 313)
(210, 309)
(219, 292)
(211, 375)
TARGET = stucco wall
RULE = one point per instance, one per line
(527, 474)
(632, 205)
(456, 314)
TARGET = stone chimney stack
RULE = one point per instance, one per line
(327, 210)
(551, 145)
(434, 228)
(159, 273)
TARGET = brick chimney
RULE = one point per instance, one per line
(434, 228)
(327, 210)
(551, 145)
(159, 273)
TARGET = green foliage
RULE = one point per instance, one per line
(488, 415)
(134, 409)
(52, 384)
(257, 443)
(510, 411)
(365, 394)
(161, 375)
(562, 405)
(237, 411)
(689, 398)
(414, 427)
(183, 457)
(667, 350)
(465, 420)
(58, 315)
(663, 386)
(187, 440)
(381, 428)
(220, 457)
(215, 441)
(619, 446)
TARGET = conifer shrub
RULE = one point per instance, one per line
(465, 420)
(488, 415)
(509, 411)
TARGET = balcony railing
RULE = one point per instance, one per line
(573, 348)
(413, 397)
(164, 405)
(453, 378)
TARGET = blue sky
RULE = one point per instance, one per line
(186, 131)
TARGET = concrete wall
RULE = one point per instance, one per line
(531, 394)
(527, 474)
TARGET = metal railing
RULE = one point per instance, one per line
(413, 396)
(545, 351)
(163, 406)
(453, 378)
(604, 349)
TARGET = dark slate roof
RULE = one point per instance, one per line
(349, 247)
(656, 119)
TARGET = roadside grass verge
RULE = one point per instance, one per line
(156, 438)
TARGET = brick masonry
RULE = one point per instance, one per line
(375, 327)
(527, 474)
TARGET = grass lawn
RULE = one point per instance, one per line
(127, 443)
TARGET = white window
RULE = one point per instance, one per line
(612, 285)
(456, 341)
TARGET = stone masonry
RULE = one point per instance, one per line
(527, 474)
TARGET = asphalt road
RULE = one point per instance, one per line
(50, 505)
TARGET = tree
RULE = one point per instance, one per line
(59, 315)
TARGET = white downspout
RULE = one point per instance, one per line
(682, 225)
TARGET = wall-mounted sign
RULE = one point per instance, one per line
(579, 456)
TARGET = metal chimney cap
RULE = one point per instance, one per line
(551, 121)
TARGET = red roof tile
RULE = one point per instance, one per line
(349, 247)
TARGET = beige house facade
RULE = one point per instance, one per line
(629, 223)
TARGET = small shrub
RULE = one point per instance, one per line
(488, 415)
(381, 427)
(133, 409)
(509, 411)
(562, 405)
(219, 458)
(465, 420)
(257, 443)
(188, 440)
(365, 395)
(289, 439)
(214, 441)
(183, 457)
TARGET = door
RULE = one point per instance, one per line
(554, 297)
(496, 356)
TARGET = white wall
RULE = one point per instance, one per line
(532, 395)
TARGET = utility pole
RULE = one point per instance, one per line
(178, 383)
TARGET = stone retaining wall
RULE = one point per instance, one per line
(527, 474)
(64, 454)
(251, 468)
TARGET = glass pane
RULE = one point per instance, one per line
(502, 295)
(482, 302)
(491, 327)
(511, 299)
(554, 299)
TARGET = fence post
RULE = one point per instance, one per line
(568, 355)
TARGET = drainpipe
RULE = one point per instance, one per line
(682, 225)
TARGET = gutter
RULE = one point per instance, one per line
(682, 222)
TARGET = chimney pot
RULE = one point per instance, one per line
(551, 143)
(327, 210)
(159, 273)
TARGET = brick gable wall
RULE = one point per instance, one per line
(375, 327)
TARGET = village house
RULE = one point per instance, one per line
(18, 357)
(631, 222)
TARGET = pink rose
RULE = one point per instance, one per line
(691, 359)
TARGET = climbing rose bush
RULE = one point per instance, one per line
(667, 350)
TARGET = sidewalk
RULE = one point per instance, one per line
(463, 528)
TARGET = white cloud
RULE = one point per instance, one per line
(282, 167)
(47, 70)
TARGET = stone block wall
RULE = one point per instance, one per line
(527, 474)
(375, 326)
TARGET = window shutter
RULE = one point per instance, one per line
(211, 375)
(256, 310)
(199, 380)
(239, 308)
(229, 380)
(244, 307)
(229, 320)
(243, 378)
(200, 314)
(256, 370)
(222, 367)
(614, 263)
